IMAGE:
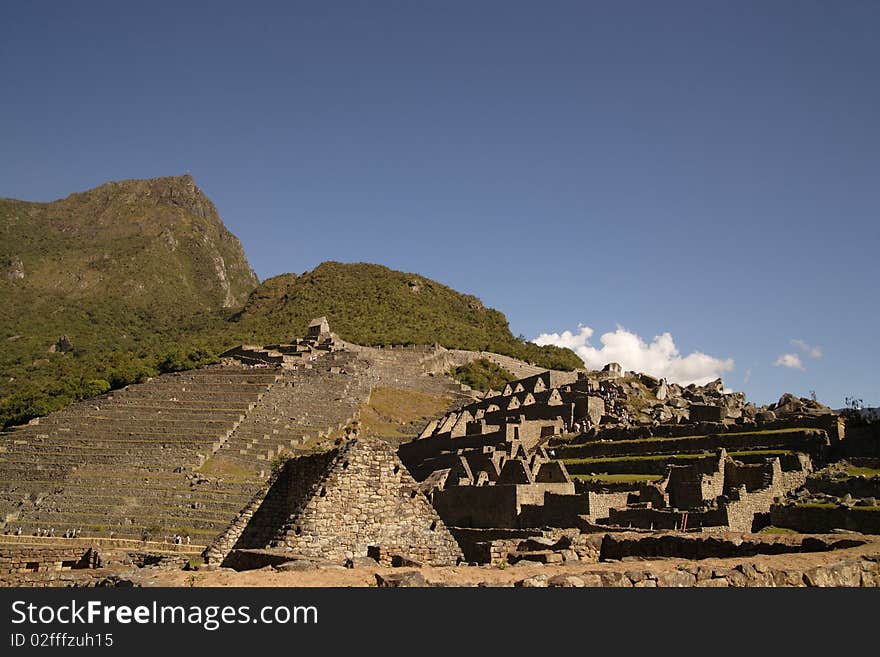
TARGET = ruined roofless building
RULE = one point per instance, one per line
(319, 330)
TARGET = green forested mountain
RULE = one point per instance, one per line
(371, 305)
(107, 287)
(126, 271)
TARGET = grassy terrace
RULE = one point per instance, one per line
(655, 439)
(832, 505)
(390, 412)
(80, 479)
(855, 471)
(616, 478)
(663, 457)
(763, 452)
(229, 470)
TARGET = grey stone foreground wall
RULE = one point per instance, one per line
(849, 572)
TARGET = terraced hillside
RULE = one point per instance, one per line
(124, 463)
(646, 459)
(183, 453)
(303, 405)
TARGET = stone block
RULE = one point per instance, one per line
(613, 578)
(296, 565)
(410, 578)
(535, 582)
(566, 581)
(362, 562)
(675, 578)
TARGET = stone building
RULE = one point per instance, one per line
(357, 500)
(492, 489)
(293, 355)
(319, 330)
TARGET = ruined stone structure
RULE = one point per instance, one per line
(708, 467)
(494, 489)
(179, 457)
(294, 355)
(258, 460)
(354, 501)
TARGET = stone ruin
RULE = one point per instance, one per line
(695, 458)
(293, 355)
(355, 501)
(237, 462)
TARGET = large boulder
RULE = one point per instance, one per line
(410, 578)
(662, 391)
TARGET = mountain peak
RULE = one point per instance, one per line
(179, 191)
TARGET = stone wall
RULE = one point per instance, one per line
(492, 506)
(556, 511)
(743, 506)
(841, 572)
(862, 440)
(291, 486)
(484, 545)
(18, 559)
(854, 486)
(601, 503)
(700, 546)
(825, 518)
(669, 519)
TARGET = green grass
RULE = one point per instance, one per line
(603, 478)
(650, 457)
(856, 471)
(230, 471)
(642, 441)
(661, 457)
(777, 530)
(393, 412)
(763, 452)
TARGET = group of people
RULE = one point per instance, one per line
(50, 532)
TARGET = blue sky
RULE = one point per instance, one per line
(703, 169)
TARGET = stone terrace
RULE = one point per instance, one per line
(184, 453)
(306, 403)
(123, 463)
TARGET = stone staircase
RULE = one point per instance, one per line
(303, 405)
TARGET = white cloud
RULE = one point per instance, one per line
(660, 358)
(789, 360)
(814, 352)
(748, 376)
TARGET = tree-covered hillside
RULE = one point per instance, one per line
(141, 277)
